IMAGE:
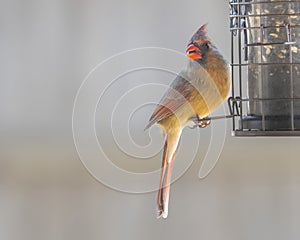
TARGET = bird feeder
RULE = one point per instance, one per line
(265, 64)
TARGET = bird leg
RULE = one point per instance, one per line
(201, 123)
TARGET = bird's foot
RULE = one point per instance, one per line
(201, 123)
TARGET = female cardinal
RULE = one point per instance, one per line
(198, 90)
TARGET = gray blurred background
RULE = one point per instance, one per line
(47, 48)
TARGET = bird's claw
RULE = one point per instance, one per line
(201, 123)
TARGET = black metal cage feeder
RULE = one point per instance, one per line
(265, 65)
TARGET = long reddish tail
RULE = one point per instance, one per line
(170, 148)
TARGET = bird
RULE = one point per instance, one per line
(199, 88)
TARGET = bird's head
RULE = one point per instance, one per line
(198, 46)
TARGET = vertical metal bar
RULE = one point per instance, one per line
(261, 91)
(288, 29)
(232, 76)
(292, 90)
(239, 65)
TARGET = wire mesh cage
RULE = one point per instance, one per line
(265, 62)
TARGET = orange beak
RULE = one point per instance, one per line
(193, 52)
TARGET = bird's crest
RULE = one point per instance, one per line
(200, 34)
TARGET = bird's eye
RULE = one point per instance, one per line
(206, 45)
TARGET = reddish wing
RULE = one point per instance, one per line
(178, 94)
